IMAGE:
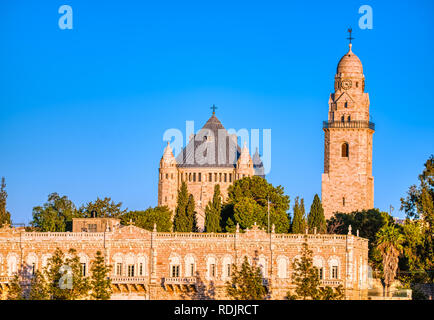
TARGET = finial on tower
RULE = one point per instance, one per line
(350, 31)
(213, 109)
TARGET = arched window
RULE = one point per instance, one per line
(345, 150)
(343, 118)
(349, 118)
(262, 265)
(211, 268)
(346, 104)
(227, 267)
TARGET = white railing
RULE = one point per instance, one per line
(180, 280)
(131, 280)
(331, 282)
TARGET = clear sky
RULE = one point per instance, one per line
(83, 111)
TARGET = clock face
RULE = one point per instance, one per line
(346, 84)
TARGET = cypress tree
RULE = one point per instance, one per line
(298, 222)
(191, 215)
(316, 218)
(15, 291)
(5, 216)
(180, 221)
(100, 281)
(213, 212)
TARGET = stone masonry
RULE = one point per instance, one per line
(347, 181)
(157, 265)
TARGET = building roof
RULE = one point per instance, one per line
(212, 146)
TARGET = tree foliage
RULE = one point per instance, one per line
(5, 216)
(298, 220)
(246, 283)
(389, 243)
(38, 287)
(100, 282)
(368, 222)
(185, 215)
(305, 276)
(419, 226)
(55, 215)
(64, 278)
(213, 212)
(161, 216)
(247, 204)
(15, 291)
(104, 208)
(316, 218)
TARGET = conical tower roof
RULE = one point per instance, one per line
(213, 145)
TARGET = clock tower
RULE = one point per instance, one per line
(347, 181)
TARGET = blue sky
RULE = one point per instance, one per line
(83, 111)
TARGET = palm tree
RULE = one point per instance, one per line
(389, 243)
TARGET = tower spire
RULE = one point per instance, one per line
(350, 31)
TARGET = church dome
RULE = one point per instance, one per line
(350, 63)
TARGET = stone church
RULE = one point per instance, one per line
(171, 265)
(211, 157)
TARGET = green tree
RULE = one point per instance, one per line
(213, 212)
(38, 287)
(15, 291)
(389, 243)
(316, 218)
(298, 221)
(161, 216)
(5, 216)
(306, 278)
(106, 208)
(253, 193)
(65, 280)
(368, 222)
(100, 281)
(180, 221)
(419, 206)
(55, 215)
(246, 283)
(191, 215)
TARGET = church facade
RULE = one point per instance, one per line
(347, 181)
(211, 157)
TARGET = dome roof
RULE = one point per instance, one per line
(350, 63)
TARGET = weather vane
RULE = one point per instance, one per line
(350, 31)
(213, 108)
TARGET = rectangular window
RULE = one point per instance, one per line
(210, 177)
(230, 177)
(212, 270)
(167, 176)
(194, 177)
(91, 227)
(140, 269)
(334, 272)
(118, 269)
(226, 176)
(200, 177)
(33, 268)
(131, 270)
(175, 271)
(228, 270)
(215, 177)
(220, 177)
(321, 271)
(192, 270)
(83, 269)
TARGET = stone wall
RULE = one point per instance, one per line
(154, 265)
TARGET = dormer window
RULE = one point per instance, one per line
(346, 104)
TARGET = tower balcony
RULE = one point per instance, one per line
(359, 124)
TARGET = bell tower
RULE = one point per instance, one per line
(347, 181)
